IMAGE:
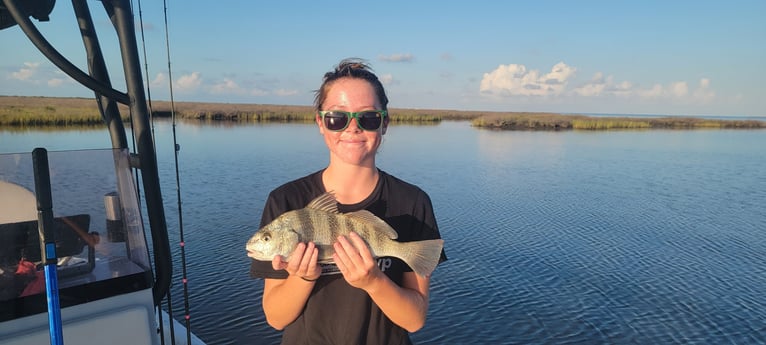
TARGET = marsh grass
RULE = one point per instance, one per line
(53, 111)
(62, 112)
(547, 121)
(48, 111)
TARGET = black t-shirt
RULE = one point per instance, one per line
(336, 312)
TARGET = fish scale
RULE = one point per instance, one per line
(321, 222)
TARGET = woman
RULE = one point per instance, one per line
(359, 300)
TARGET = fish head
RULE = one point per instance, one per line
(276, 238)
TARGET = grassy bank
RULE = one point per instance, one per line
(20, 112)
(541, 121)
(44, 111)
(52, 111)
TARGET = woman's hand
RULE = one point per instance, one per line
(302, 262)
(355, 261)
(284, 299)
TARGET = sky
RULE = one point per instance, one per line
(591, 57)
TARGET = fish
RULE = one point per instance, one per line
(321, 222)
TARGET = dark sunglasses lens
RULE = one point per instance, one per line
(335, 121)
(370, 120)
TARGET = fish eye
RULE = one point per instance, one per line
(266, 237)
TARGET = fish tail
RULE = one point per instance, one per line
(421, 256)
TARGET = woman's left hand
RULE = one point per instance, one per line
(353, 258)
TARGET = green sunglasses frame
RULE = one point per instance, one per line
(354, 114)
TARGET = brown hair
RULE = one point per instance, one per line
(351, 68)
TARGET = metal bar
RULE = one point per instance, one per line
(56, 58)
(121, 15)
(98, 71)
(47, 242)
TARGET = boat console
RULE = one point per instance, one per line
(102, 254)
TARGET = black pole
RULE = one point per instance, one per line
(56, 58)
(97, 69)
(120, 13)
(47, 242)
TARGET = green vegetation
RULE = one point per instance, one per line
(51, 111)
(15, 116)
(544, 121)
(21, 112)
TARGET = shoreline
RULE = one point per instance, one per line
(31, 111)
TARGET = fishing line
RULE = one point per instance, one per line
(160, 320)
(154, 142)
(146, 72)
(176, 149)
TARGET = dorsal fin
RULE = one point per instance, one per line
(325, 202)
(379, 224)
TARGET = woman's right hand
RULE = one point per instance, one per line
(303, 262)
(284, 299)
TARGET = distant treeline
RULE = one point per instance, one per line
(53, 111)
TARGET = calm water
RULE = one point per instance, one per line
(622, 237)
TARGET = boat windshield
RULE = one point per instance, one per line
(98, 230)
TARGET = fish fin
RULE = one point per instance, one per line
(421, 256)
(325, 202)
(380, 225)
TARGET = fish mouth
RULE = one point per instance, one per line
(255, 254)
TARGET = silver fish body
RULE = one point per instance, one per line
(321, 223)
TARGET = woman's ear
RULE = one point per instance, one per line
(385, 126)
(318, 120)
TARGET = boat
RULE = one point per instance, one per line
(84, 250)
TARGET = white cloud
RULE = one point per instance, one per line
(516, 80)
(679, 89)
(55, 82)
(397, 58)
(599, 86)
(227, 86)
(595, 87)
(624, 89)
(514, 84)
(159, 81)
(60, 79)
(386, 79)
(284, 92)
(189, 82)
(258, 92)
(655, 91)
(703, 93)
(230, 87)
(26, 72)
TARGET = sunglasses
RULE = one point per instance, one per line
(368, 120)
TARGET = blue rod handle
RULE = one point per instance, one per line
(47, 242)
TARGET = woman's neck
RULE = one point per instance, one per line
(351, 184)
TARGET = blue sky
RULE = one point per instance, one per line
(613, 57)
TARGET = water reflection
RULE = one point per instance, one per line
(553, 237)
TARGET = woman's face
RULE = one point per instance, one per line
(352, 145)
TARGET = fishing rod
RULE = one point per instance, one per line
(47, 242)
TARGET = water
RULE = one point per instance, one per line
(619, 237)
